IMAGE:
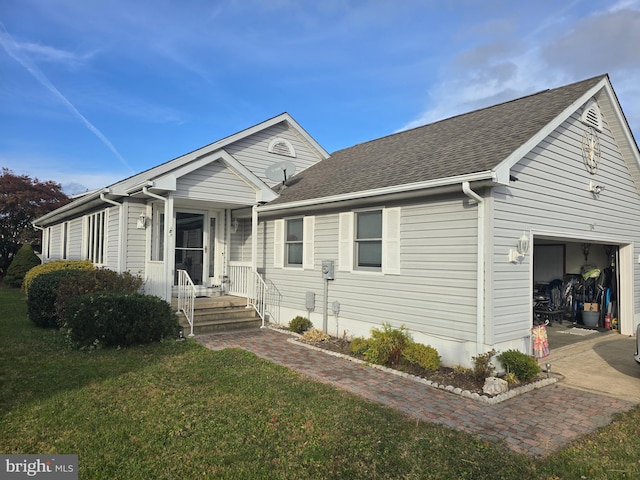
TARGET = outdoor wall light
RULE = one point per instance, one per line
(522, 247)
(141, 224)
(595, 189)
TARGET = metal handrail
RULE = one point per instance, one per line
(256, 297)
(186, 297)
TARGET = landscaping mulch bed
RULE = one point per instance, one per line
(457, 378)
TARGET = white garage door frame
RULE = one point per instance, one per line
(626, 315)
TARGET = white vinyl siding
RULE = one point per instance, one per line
(240, 246)
(75, 239)
(434, 291)
(253, 151)
(552, 196)
(135, 246)
(215, 182)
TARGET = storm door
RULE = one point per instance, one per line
(190, 251)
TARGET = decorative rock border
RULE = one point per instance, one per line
(448, 388)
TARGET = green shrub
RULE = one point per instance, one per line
(22, 262)
(386, 345)
(523, 366)
(118, 319)
(90, 281)
(300, 324)
(358, 346)
(482, 367)
(54, 266)
(424, 356)
(41, 297)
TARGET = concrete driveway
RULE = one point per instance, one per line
(599, 363)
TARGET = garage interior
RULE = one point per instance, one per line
(575, 289)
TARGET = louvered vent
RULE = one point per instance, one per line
(282, 147)
(591, 115)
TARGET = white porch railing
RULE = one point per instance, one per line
(239, 275)
(263, 296)
(186, 296)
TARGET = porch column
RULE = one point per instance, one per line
(254, 239)
(169, 242)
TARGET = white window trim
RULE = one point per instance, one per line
(64, 240)
(102, 244)
(308, 244)
(390, 243)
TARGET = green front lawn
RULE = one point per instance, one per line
(177, 410)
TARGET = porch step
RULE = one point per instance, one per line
(219, 314)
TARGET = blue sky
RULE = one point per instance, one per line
(92, 91)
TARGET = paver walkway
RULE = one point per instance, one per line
(535, 423)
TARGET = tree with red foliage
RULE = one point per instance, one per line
(22, 200)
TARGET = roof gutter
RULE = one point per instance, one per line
(480, 275)
(406, 190)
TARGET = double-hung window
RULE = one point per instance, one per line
(294, 242)
(368, 240)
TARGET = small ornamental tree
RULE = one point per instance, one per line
(22, 200)
(22, 262)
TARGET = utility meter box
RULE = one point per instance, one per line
(310, 301)
(327, 269)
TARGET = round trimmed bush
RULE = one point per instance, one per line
(22, 262)
(118, 319)
(523, 366)
(300, 324)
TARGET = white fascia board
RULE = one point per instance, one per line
(178, 162)
(70, 208)
(503, 169)
(303, 133)
(631, 145)
(405, 188)
(263, 192)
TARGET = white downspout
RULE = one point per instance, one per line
(121, 224)
(168, 220)
(480, 340)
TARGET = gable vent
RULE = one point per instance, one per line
(282, 147)
(591, 115)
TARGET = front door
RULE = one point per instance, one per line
(190, 246)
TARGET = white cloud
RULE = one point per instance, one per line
(560, 50)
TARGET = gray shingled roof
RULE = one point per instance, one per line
(473, 142)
